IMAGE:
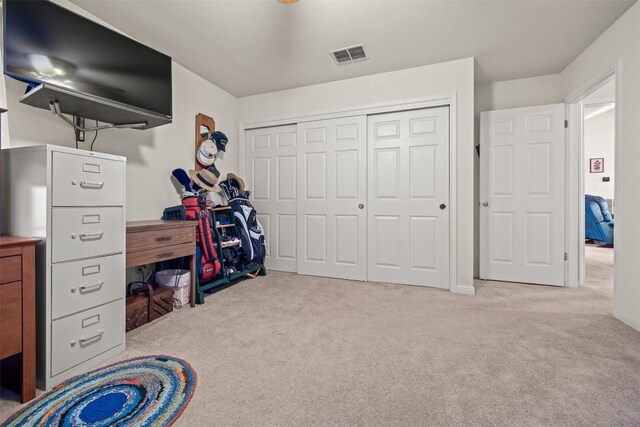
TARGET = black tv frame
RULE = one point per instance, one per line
(82, 104)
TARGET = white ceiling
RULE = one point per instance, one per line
(254, 46)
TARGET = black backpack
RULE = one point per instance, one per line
(252, 240)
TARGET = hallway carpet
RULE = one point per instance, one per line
(293, 350)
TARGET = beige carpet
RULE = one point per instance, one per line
(294, 350)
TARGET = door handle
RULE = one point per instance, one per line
(360, 206)
(485, 204)
(443, 206)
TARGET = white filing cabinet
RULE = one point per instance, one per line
(75, 201)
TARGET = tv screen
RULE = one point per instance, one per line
(45, 43)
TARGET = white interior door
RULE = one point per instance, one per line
(522, 185)
(331, 197)
(408, 180)
(271, 177)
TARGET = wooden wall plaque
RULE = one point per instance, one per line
(209, 123)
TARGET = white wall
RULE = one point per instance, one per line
(4, 130)
(527, 92)
(620, 44)
(151, 154)
(499, 96)
(454, 76)
(599, 141)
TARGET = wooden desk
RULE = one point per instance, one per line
(158, 240)
(18, 307)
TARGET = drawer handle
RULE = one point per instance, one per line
(165, 255)
(89, 288)
(91, 236)
(95, 337)
(163, 238)
(89, 184)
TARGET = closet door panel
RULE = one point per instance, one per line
(272, 177)
(408, 197)
(332, 198)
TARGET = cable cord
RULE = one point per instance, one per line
(176, 302)
(95, 135)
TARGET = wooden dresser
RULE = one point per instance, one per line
(154, 241)
(17, 308)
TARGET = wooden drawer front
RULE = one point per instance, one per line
(10, 269)
(160, 254)
(152, 239)
(80, 337)
(86, 232)
(79, 285)
(10, 319)
(87, 181)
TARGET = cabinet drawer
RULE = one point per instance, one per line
(152, 239)
(80, 337)
(10, 319)
(86, 232)
(160, 254)
(87, 181)
(10, 269)
(79, 285)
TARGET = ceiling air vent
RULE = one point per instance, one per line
(349, 55)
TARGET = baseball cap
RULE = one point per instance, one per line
(220, 140)
(206, 154)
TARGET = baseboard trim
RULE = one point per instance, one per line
(627, 320)
(464, 290)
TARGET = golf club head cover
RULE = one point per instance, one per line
(183, 178)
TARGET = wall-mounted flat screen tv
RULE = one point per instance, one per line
(46, 43)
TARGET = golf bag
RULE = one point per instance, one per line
(252, 240)
(209, 265)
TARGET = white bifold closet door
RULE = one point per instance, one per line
(408, 197)
(331, 198)
(271, 177)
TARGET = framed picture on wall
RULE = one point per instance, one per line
(596, 165)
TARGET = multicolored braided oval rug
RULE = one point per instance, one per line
(145, 391)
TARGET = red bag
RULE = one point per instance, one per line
(209, 270)
(195, 209)
(191, 207)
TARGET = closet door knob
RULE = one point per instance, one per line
(443, 206)
(360, 206)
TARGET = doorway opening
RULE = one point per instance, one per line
(592, 154)
(598, 176)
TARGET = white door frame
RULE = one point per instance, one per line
(575, 177)
(443, 100)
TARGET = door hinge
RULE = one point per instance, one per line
(566, 124)
(566, 257)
